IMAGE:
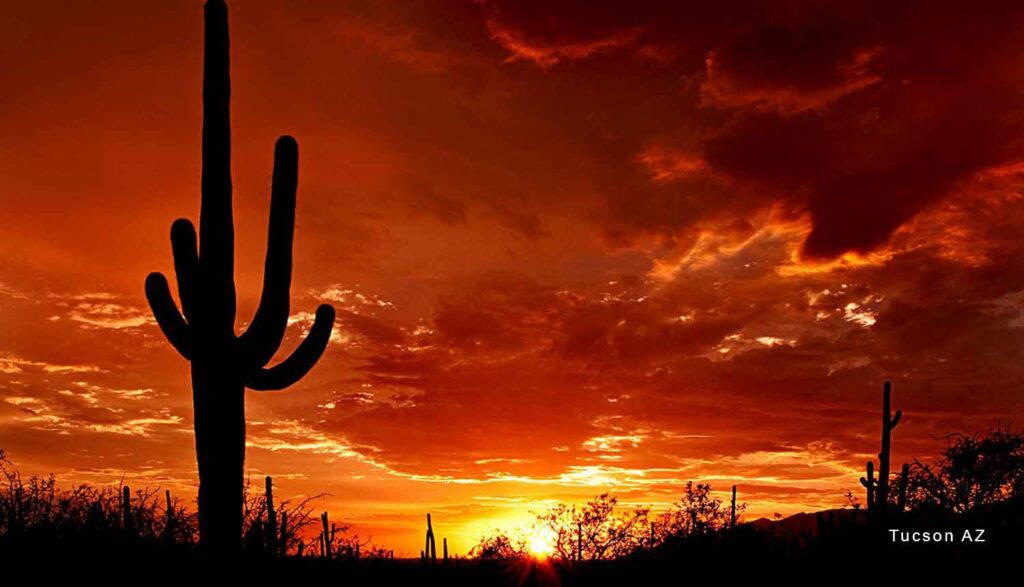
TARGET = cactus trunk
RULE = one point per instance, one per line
(327, 535)
(126, 509)
(169, 521)
(882, 493)
(220, 452)
(732, 515)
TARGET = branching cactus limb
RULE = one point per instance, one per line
(224, 364)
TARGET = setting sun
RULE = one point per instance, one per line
(541, 543)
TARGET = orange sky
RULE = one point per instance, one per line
(574, 246)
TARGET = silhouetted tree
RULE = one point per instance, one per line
(499, 546)
(224, 364)
(697, 512)
(973, 470)
(596, 530)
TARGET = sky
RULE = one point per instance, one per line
(574, 247)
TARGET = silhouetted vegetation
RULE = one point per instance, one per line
(601, 529)
(500, 546)
(975, 483)
(37, 510)
(974, 471)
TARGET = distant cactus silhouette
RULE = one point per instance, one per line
(224, 364)
(126, 510)
(732, 511)
(169, 520)
(326, 536)
(431, 545)
(878, 491)
(869, 484)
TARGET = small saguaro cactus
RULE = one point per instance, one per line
(431, 546)
(326, 536)
(732, 514)
(869, 484)
(203, 332)
(169, 522)
(127, 519)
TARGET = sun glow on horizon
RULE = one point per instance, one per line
(541, 544)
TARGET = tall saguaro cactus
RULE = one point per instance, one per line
(223, 363)
(889, 422)
(878, 490)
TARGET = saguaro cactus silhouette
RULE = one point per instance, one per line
(127, 519)
(889, 422)
(223, 363)
(431, 545)
(868, 482)
(878, 490)
(732, 510)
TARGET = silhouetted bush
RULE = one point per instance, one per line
(973, 471)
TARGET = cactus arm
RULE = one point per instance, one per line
(186, 264)
(266, 331)
(895, 419)
(296, 366)
(167, 315)
(216, 227)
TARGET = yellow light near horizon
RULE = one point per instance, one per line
(541, 543)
